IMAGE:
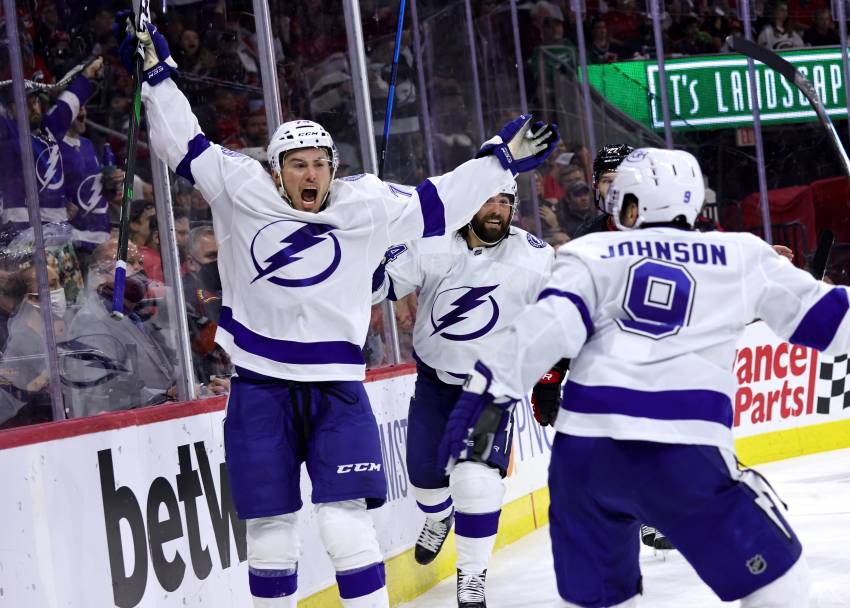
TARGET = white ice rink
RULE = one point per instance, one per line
(816, 489)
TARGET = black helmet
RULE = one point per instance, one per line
(608, 159)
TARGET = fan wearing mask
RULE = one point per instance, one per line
(23, 370)
(117, 364)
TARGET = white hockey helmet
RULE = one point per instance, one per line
(295, 135)
(510, 188)
(667, 183)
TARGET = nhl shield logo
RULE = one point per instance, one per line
(291, 253)
(756, 564)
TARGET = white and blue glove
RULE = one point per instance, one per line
(158, 63)
(522, 146)
(474, 421)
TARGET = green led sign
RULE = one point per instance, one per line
(712, 92)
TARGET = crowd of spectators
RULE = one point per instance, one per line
(79, 147)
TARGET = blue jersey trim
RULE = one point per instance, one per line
(477, 525)
(433, 209)
(575, 299)
(197, 146)
(694, 404)
(818, 327)
(289, 351)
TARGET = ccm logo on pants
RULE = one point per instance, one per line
(359, 467)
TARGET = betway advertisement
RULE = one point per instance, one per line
(142, 515)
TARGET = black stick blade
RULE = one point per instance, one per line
(821, 257)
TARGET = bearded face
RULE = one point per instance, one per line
(493, 220)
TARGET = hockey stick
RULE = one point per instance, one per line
(391, 93)
(791, 74)
(142, 19)
(821, 257)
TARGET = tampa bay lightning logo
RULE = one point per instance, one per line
(278, 249)
(49, 169)
(90, 195)
(469, 309)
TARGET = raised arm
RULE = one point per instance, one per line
(446, 202)
(174, 132)
(59, 118)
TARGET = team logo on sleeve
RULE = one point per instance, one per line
(469, 311)
(535, 242)
(290, 253)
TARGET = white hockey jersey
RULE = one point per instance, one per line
(296, 285)
(651, 319)
(464, 294)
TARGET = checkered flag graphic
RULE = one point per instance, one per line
(833, 387)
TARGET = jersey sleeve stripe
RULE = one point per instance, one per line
(433, 209)
(197, 146)
(289, 351)
(575, 299)
(694, 404)
(391, 291)
(818, 327)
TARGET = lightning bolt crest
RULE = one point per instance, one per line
(466, 303)
(95, 193)
(305, 237)
(51, 168)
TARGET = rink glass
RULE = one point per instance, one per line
(458, 82)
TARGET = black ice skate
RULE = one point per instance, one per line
(661, 542)
(654, 538)
(431, 539)
(470, 590)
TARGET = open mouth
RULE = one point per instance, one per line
(309, 196)
(493, 223)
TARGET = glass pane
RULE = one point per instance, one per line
(220, 68)
(105, 364)
(500, 82)
(24, 368)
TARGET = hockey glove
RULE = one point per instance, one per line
(473, 422)
(158, 64)
(546, 394)
(522, 146)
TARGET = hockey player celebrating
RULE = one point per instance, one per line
(650, 319)
(290, 244)
(471, 283)
(546, 394)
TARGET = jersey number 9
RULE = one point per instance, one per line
(659, 299)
